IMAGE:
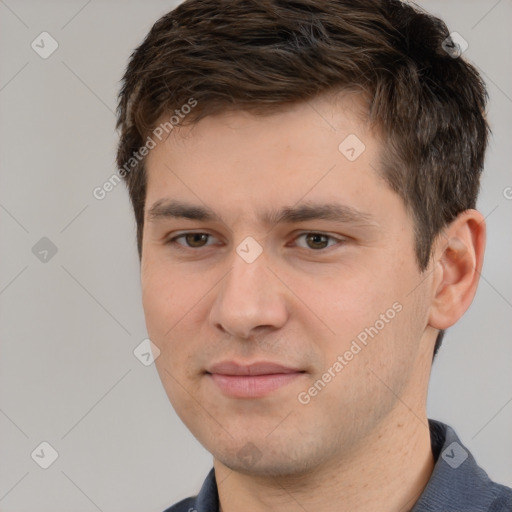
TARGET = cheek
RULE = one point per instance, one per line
(156, 300)
(347, 302)
(166, 295)
(168, 309)
(164, 305)
(373, 300)
(173, 302)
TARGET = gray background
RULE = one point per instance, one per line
(69, 325)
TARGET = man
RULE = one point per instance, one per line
(304, 178)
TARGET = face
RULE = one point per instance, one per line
(280, 284)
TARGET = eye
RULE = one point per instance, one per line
(311, 240)
(318, 241)
(193, 240)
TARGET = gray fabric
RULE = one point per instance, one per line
(457, 483)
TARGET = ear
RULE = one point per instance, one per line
(458, 258)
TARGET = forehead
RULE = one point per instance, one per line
(317, 151)
(331, 116)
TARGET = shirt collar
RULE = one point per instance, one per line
(457, 482)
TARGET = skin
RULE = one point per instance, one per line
(362, 443)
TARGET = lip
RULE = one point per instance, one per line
(256, 368)
(253, 380)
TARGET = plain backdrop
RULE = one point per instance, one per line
(71, 320)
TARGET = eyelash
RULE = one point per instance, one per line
(173, 241)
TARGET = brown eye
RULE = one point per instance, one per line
(196, 239)
(191, 240)
(317, 241)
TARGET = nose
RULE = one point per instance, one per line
(249, 299)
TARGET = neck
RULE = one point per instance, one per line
(387, 472)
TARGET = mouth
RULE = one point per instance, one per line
(253, 380)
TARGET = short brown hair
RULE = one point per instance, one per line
(262, 55)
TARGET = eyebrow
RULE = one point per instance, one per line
(168, 209)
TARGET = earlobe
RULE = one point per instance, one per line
(458, 260)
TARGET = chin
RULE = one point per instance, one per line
(266, 462)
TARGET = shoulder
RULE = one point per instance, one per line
(458, 482)
(503, 500)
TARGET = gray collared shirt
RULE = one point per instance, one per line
(457, 483)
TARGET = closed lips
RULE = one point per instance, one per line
(253, 369)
